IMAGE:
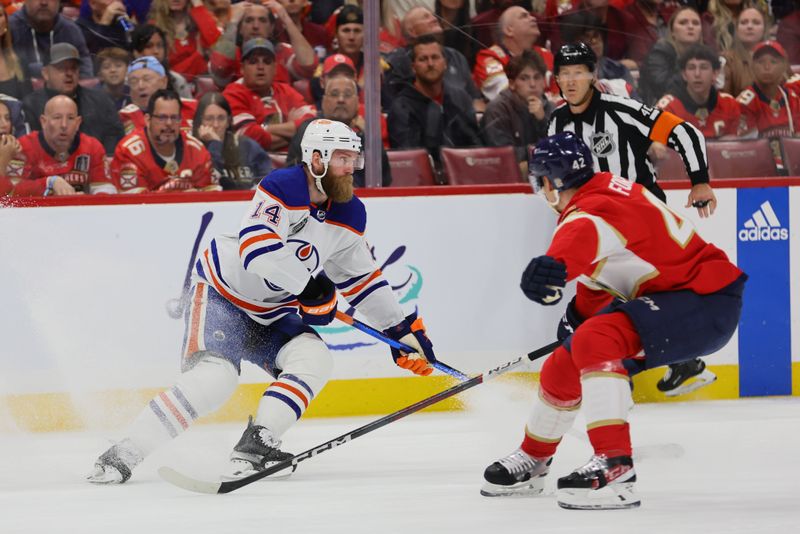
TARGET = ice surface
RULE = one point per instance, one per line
(737, 473)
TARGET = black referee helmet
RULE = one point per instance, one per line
(574, 54)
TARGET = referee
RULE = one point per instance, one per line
(620, 131)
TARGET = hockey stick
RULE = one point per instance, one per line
(358, 325)
(183, 481)
(176, 306)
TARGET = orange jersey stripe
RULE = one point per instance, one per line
(344, 226)
(239, 302)
(292, 389)
(174, 410)
(363, 284)
(663, 126)
(193, 345)
(279, 201)
(256, 239)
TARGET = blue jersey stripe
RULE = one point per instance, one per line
(351, 281)
(259, 252)
(255, 228)
(184, 402)
(293, 378)
(163, 418)
(289, 402)
(361, 296)
(215, 257)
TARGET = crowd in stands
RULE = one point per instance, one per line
(127, 96)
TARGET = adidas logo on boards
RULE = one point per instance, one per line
(763, 225)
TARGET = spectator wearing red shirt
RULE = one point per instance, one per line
(59, 160)
(698, 102)
(190, 30)
(769, 108)
(265, 110)
(161, 158)
(295, 60)
(316, 34)
(518, 31)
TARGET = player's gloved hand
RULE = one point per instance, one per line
(543, 279)
(318, 301)
(411, 331)
(569, 322)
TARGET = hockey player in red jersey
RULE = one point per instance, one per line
(676, 297)
(59, 160)
(257, 292)
(161, 157)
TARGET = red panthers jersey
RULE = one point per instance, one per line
(719, 117)
(490, 76)
(770, 118)
(138, 169)
(616, 236)
(252, 112)
(83, 166)
(132, 116)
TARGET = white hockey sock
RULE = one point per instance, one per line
(607, 399)
(549, 420)
(307, 365)
(198, 392)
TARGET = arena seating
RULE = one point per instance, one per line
(410, 168)
(480, 165)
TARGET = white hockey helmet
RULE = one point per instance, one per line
(325, 136)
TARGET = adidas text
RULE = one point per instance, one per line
(763, 234)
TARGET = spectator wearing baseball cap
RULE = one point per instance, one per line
(266, 110)
(769, 108)
(33, 35)
(146, 75)
(296, 59)
(97, 109)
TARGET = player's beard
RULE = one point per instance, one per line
(338, 188)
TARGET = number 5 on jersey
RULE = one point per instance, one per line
(272, 212)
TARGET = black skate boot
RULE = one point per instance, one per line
(257, 450)
(115, 466)
(516, 475)
(602, 484)
(685, 377)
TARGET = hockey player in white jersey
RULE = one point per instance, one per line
(254, 297)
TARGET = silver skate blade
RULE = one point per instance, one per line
(613, 497)
(529, 488)
(182, 481)
(703, 379)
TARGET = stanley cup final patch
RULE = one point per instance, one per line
(602, 144)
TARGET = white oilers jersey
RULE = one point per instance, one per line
(283, 239)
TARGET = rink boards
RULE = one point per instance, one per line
(87, 340)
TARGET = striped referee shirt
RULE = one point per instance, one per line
(619, 132)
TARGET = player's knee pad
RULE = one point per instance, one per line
(209, 383)
(559, 378)
(604, 338)
(307, 358)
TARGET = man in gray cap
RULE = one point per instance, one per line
(36, 28)
(100, 118)
(267, 111)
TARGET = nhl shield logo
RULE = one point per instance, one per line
(603, 144)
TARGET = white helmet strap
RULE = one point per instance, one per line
(318, 178)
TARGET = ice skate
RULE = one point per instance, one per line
(116, 464)
(256, 451)
(685, 377)
(516, 475)
(602, 484)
